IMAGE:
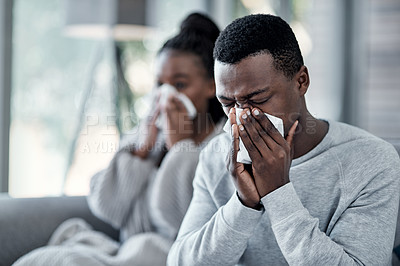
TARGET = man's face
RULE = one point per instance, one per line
(254, 82)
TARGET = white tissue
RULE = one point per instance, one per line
(165, 90)
(243, 155)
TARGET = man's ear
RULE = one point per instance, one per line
(303, 80)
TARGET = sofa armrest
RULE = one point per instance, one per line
(396, 249)
(27, 223)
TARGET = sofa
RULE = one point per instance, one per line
(27, 223)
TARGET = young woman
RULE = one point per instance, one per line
(147, 188)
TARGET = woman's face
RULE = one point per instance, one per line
(185, 71)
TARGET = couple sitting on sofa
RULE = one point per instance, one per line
(278, 187)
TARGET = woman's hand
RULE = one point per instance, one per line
(179, 125)
(151, 131)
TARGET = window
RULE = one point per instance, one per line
(66, 113)
(72, 98)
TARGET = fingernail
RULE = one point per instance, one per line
(244, 116)
(248, 112)
(241, 127)
(256, 112)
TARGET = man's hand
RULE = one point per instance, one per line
(271, 155)
(179, 125)
(243, 181)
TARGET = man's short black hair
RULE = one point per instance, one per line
(258, 34)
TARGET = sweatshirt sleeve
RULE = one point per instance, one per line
(362, 235)
(113, 189)
(172, 188)
(211, 235)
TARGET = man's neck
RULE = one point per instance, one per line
(310, 133)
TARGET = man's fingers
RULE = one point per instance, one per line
(232, 116)
(234, 167)
(260, 139)
(234, 135)
(290, 136)
(243, 181)
(251, 148)
(267, 126)
(235, 144)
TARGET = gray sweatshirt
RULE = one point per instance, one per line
(136, 196)
(340, 208)
(147, 203)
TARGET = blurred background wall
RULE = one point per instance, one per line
(67, 94)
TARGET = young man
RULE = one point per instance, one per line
(324, 193)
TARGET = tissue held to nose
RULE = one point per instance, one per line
(165, 91)
(243, 155)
